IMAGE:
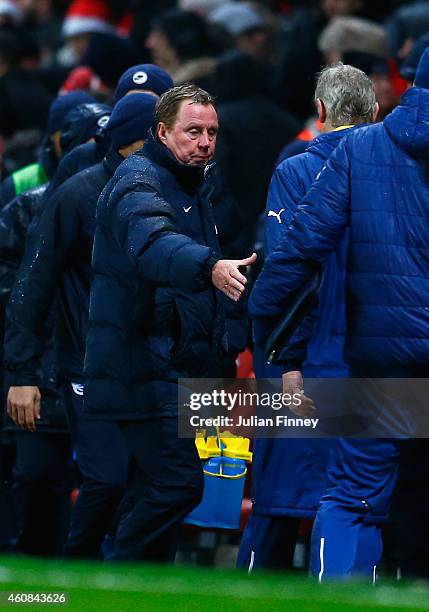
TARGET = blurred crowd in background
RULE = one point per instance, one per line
(258, 58)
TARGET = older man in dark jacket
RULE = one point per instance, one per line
(289, 476)
(375, 182)
(155, 313)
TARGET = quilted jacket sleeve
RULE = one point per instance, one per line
(144, 226)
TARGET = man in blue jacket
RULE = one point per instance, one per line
(376, 183)
(289, 476)
(60, 267)
(156, 313)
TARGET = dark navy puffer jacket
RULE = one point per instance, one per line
(154, 313)
(79, 158)
(375, 183)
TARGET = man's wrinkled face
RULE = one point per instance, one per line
(192, 138)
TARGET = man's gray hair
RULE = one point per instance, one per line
(347, 93)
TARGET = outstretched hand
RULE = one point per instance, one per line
(227, 277)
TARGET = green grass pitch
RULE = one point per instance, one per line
(124, 587)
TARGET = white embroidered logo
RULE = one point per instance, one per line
(271, 213)
(103, 121)
(187, 209)
(140, 77)
(77, 388)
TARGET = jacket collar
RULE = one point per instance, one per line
(189, 177)
(111, 160)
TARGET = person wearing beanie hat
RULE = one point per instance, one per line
(62, 271)
(145, 78)
(58, 111)
(134, 114)
(38, 173)
(82, 124)
(375, 187)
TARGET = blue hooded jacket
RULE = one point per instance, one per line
(376, 183)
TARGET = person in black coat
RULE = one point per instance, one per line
(61, 269)
(253, 130)
(156, 313)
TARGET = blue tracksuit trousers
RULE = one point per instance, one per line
(346, 537)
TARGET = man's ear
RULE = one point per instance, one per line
(375, 112)
(161, 132)
(321, 110)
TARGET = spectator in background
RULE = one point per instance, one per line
(24, 105)
(405, 26)
(300, 58)
(43, 170)
(352, 34)
(247, 26)
(144, 14)
(108, 56)
(43, 20)
(182, 43)
(253, 129)
(410, 63)
(201, 7)
(10, 13)
(83, 18)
